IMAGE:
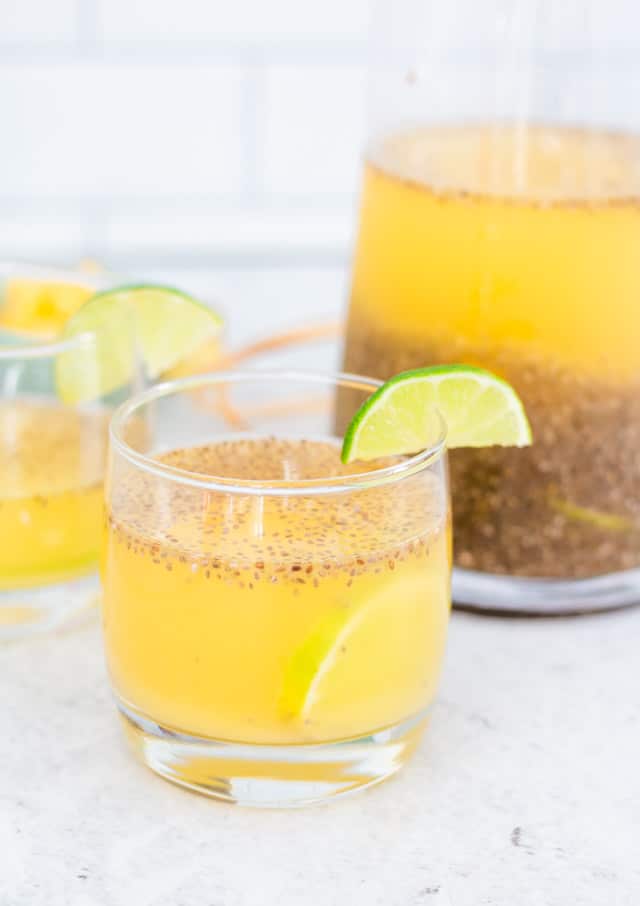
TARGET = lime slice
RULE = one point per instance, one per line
(608, 522)
(480, 410)
(156, 325)
(362, 655)
(312, 660)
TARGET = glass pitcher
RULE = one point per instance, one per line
(500, 226)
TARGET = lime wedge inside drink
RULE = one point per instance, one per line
(356, 646)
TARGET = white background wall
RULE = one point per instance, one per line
(186, 131)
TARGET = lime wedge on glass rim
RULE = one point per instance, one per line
(403, 416)
(156, 325)
(479, 409)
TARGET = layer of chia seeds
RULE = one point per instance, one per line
(244, 539)
(567, 507)
(47, 449)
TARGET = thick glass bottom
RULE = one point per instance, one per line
(282, 776)
(487, 593)
(29, 611)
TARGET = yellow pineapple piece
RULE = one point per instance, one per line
(40, 307)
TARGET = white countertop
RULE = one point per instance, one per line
(525, 791)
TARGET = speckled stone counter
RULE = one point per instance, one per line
(525, 790)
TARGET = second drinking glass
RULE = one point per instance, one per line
(53, 445)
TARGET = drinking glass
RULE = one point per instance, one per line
(274, 621)
(500, 226)
(52, 458)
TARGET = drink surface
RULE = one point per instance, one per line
(516, 250)
(51, 467)
(275, 619)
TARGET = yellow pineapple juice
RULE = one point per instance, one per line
(271, 619)
(51, 468)
(517, 251)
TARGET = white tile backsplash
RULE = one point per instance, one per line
(41, 21)
(200, 128)
(96, 131)
(43, 236)
(241, 20)
(314, 130)
(227, 232)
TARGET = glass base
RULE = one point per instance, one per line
(488, 593)
(29, 611)
(282, 776)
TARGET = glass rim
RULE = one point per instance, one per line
(45, 349)
(266, 487)
(18, 268)
(29, 345)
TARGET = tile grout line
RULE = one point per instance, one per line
(90, 46)
(87, 24)
(190, 204)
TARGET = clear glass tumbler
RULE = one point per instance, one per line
(500, 226)
(274, 621)
(52, 460)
